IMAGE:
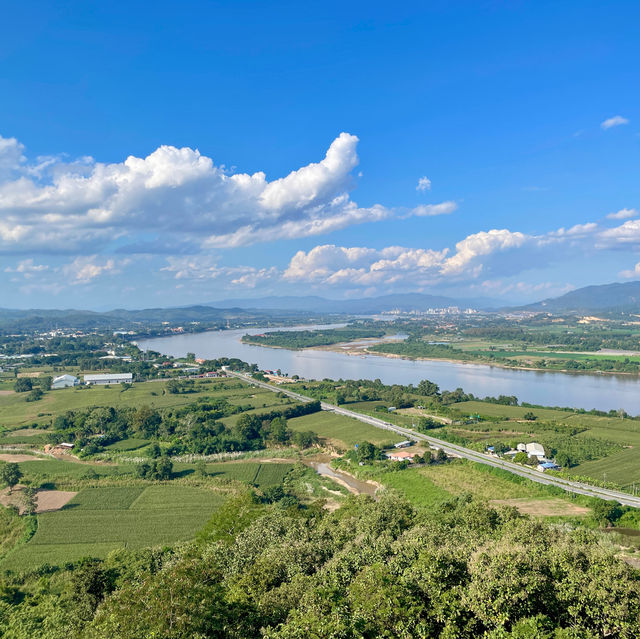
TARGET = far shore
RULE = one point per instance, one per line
(358, 350)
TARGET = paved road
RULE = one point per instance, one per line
(460, 451)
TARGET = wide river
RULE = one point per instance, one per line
(604, 392)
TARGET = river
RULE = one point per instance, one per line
(603, 392)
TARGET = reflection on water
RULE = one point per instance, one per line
(604, 392)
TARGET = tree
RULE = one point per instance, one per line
(191, 357)
(10, 474)
(34, 395)
(164, 468)
(154, 450)
(521, 458)
(529, 416)
(427, 388)
(201, 469)
(45, 382)
(29, 500)
(22, 385)
(441, 456)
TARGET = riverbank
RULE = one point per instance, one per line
(358, 350)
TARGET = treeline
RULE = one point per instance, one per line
(195, 428)
(368, 570)
(306, 339)
(579, 339)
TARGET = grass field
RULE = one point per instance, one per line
(509, 412)
(341, 430)
(419, 489)
(157, 515)
(622, 468)
(12, 528)
(133, 443)
(15, 412)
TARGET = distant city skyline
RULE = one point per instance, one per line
(234, 151)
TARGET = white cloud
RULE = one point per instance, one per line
(177, 193)
(207, 268)
(622, 214)
(85, 269)
(27, 268)
(634, 272)
(424, 184)
(616, 120)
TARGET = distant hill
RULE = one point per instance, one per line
(49, 319)
(606, 297)
(362, 306)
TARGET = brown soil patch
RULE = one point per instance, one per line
(423, 413)
(46, 500)
(543, 507)
(7, 392)
(18, 458)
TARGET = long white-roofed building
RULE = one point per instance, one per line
(102, 379)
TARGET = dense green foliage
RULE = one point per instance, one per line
(307, 339)
(367, 570)
(194, 428)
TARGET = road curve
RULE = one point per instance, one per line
(460, 451)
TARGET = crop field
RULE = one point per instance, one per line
(512, 412)
(340, 429)
(622, 468)
(133, 443)
(263, 475)
(157, 515)
(15, 412)
(56, 470)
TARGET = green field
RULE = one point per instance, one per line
(340, 429)
(421, 491)
(99, 520)
(622, 468)
(15, 412)
(54, 470)
(262, 475)
(510, 412)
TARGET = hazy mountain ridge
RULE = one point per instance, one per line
(621, 297)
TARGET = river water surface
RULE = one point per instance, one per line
(604, 392)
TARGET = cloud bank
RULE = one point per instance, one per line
(175, 196)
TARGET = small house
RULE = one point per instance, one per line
(404, 444)
(547, 466)
(401, 455)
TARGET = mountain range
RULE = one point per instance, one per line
(617, 297)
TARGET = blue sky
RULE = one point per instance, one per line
(163, 154)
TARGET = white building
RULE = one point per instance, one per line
(102, 379)
(64, 381)
(535, 450)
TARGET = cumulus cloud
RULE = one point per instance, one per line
(424, 184)
(616, 120)
(55, 206)
(622, 214)
(333, 265)
(630, 274)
